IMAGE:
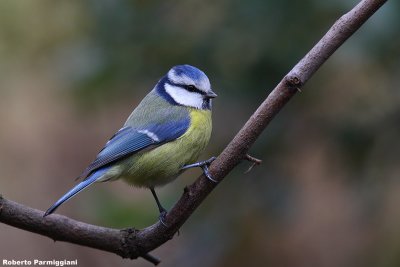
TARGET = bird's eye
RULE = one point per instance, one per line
(191, 88)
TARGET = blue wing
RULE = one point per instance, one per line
(129, 140)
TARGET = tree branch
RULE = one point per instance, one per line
(132, 243)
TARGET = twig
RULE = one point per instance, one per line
(132, 243)
(151, 259)
(254, 161)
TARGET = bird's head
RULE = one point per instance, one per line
(186, 85)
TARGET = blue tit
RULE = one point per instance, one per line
(162, 137)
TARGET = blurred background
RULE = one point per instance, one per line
(328, 191)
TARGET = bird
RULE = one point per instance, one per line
(163, 136)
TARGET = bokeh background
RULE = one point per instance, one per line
(328, 191)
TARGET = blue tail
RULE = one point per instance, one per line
(78, 188)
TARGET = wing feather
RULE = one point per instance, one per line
(129, 140)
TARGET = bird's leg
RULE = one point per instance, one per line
(163, 212)
(204, 165)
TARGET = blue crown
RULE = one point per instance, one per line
(190, 71)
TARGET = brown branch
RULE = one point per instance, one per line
(132, 243)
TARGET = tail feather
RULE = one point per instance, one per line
(74, 191)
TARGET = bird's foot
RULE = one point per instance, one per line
(204, 165)
(163, 217)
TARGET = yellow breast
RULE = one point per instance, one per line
(163, 164)
(200, 127)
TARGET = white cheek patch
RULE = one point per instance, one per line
(184, 97)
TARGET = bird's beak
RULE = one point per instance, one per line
(211, 94)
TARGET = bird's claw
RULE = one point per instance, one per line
(209, 161)
(162, 217)
(207, 173)
(204, 165)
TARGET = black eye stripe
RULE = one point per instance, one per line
(190, 88)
